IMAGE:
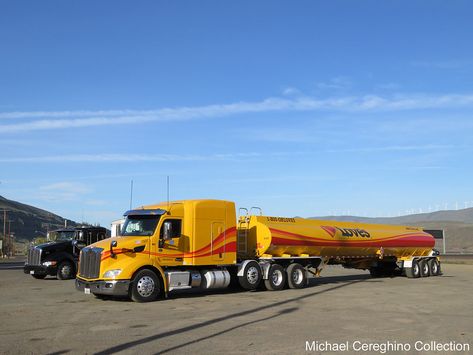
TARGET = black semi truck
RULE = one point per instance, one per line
(59, 256)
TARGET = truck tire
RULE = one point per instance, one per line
(434, 267)
(413, 272)
(276, 278)
(39, 276)
(251, 276)
(65, 271)
(145, 287)
(376, 271)
(296, 276)
(424, 268)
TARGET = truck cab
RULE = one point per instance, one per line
(163, 247)
(59, 256)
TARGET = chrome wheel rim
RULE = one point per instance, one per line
(416, 269)
(426, 269)
(66, 270)
(277, 277)
(297, 276)
(252, 275)
(434, 268)
(145, 286)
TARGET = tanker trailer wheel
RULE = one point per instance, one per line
(413, 272)
(65, 271)
(276, 278)
(424, 268)
(434, 267)
(376, 271)
(251, 276)
(296, 276)
(145, 286)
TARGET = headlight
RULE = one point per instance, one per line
(50, 263)
(111, 274)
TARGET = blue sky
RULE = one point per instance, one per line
(307, 108)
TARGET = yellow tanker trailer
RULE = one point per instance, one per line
(201, 243)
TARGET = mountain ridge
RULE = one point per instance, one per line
(28, 221)
(456, 224)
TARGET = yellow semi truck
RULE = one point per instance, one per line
(201, 243)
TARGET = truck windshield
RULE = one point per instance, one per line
(140, 225)
(61, 235)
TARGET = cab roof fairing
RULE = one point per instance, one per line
(145, 212)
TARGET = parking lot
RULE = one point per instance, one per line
(49, 316)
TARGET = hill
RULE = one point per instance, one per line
(457, 225)
(27, 222)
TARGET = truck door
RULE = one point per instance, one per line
(170, 247)
(217, 241)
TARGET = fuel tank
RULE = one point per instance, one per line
(280, 236)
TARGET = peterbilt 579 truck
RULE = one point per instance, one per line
(201, 243)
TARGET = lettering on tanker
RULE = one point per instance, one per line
(281, 219)
(346, 232)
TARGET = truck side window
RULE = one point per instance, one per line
(176, 228)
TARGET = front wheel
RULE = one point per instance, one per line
(65, 271)
(145, 287)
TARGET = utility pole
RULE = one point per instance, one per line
(10, 238)
(5, 238)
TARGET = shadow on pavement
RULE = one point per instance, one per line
(339, 281)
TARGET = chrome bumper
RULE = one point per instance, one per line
(112, 288)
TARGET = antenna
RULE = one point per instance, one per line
(167, 179)
(131, 193)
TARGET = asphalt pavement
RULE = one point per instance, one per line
(343, 306)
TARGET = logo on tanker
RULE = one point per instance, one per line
(346, 232)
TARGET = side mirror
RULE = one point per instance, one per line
(167, 230)
(79, 244)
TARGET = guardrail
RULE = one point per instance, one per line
(457, 258)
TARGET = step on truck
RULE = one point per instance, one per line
(202, 244)
(59, 256)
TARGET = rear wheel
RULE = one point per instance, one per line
(413, 271)
(251, 276)
(65, 270)
(276, 278)
(145, 287)
(376, 272)
(296, 276)
(434, 267)
(424, 268)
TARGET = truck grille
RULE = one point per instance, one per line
(34, 256)
(89, 265)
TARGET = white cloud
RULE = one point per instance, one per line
(395, 148)
(63, 191)
(77, 119)
(98, 158)
(337, 83)
(290, 91)
(446, 64)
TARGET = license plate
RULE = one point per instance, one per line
(87, 291)
(31, 272)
